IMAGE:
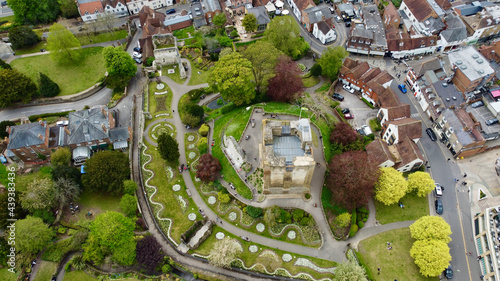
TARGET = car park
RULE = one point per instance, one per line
(137, 49)
(338, 97)
(431, 134)
(438, 190)
(448, 272)
(348, 116)
(345, 110)
(138, 60)
(477, 104)
(492, 121)
(439, 206)
(402, 88)
(137, 55)
(171, 11)
(348, 88)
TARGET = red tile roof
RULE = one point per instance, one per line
(360, 70)
(421, 9)
(90, 7)
(388, 98)
(398, 112)
(408, 127)
(378, 151)
(399, 41)
(408, 151)
(304, 4)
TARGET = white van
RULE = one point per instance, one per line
(366, 129)
(438, 190)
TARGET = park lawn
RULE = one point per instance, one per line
(166, 130)
(238, 124)
(6, 275)
(198, 75)
(183, 33)
(85, 39)
(323, 87)
(394, 264)
(154, 107)
(271, 265)
(46, 269)
(32, 49)
(97, 203)
(310, 81)
(176, 76)
(71, 78)
(414, 208)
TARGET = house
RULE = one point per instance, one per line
(381, 153)
(237, 7)
(178, 22)
(394, 112)
(134, 6)
(199, 19)
(455, 33)
(152, 23)
(485, 230)
(410, 156)
(313, 15)
(404, 156)
(270, 8)
(115, 7)
(300, 5)
(368, 37)
(396, 130)
(261, 16)
(401, 45)
(89, 9)
(482, 20)
(491, 52)
(346, 10)
(422, 17)
(324, 32)
(210, 9)
(28, 142)
(391, 16)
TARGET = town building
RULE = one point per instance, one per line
(134, 6)
(404, 156)
(210, 9)
(152, 23)
(313, 15)
(491, 52)
(118, 8)
(368, 37)
(482, 20)
(28, 142)
(402, 45)
(261, 16)
(422, 17)
(237, 7)
(300, 5)
(391, 16)
(199, 19)
(395, 131)
(324, 32)
(454, 35)
(89, 9)
(178, 22)
(487, 240)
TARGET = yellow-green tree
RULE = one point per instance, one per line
(391, 186)
(431, 228)
(431, 256)
(249, 22)
(343, 219)
(224, 252)
(62, 44)
(263, 56)
(62, 156)
(421, 182)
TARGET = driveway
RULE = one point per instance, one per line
(358, 108)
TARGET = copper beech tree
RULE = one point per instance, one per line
(208, 168)
(351, 177)
(287, 82)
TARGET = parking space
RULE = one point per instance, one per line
(482, 114)
(361, 112)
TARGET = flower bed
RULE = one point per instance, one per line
(212, 200)
(260, 227)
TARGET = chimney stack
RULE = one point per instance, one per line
(66, 130)
(40, 136)
(104, 128)
(102, 111)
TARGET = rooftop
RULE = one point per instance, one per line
(373, 22)
(27, 135)
(464, 137)
(88, 125)
(260, 14)
(317, 13)
(471, 63)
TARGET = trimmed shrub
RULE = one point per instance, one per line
(363, 210)
(202, 145)
(203, 131)
(297, 215)
(166, 268)
(363, 264)
(354, 218)
(316, 69)
(46, 216)
(34, 118)
(254, 212)
(361, 224)
(354, 230)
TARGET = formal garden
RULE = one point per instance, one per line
(158, 102)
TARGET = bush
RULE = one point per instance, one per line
(166, 268)
(61, 230)
(47, 87)
(190, 120)
(228, 108)
(363, 210)
(354, 230)
(128, 205)
(354, 218)
(202, 145)
(361, 224)
(223, 197)
(363, 264)
(34, 118)
(308, 196)
(46, 216)
(305, 221)
(370, 105)
(203, 131)
(257, 35)
(254, 212)
(316, 70)
(297, 215)
(234, 33)
(149, 61)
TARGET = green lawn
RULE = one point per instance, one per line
(45, 270)
(96, 203)
(176, 77)
(310, 81)
(102, 37)
(5, 275)
(32, 49)
(71, 78)
(414, 208)
(394, 264)
(184, 33)
(198, 76)
(160, 103)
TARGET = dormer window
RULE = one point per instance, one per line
(361, 42)
(367, 42)
(422, 46)
(353, 40)
(401, 44)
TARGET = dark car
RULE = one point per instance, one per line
(439, 206)
(431, 134)
(137, 49)
(345, 110)
(338, 97)
(448, 272)
(3, 3)
(138, 60)
(492, 121)
(402, 88)
(171, 11)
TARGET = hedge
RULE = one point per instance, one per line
(362, 262)
(34, 118)
(354, 230)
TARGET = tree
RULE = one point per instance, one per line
(316, 69)
(225, 51)
(203, 131)
(284, 34)
(331, 61)
(15, 87)
(62, 156)
(48, 88)
(120, 65)
(129, 187)
(431, 228)
(249, 22)
(343, 220)
(69, 9)
(254, 212)
(66, 191)
(223, 197)
(421, 182)
(34, 12)
(128, 205)
(391, 186)
(190, 120)
(63, 45)
(4, 65)
(168, 147)
(284, 86)
(349, 271)
(149, 254)
(22, 36)
(231, 76)
(202, 145)
(106, 171)
(195, 110)
(5, 213)
(343, 134)
(263, 56)
(111, 234)
(66, 172)
(208, 168)
(32, 235)
(225, 41)
(3, 128)
(224, 252)
(39, 194)
(431, 256)
(351, 177)
(219, 20)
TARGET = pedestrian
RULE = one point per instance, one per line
(388, 243)
(449, 159)
(173, 110)
(478, 258)
(465, 175)
(379, 271)
(255, 158)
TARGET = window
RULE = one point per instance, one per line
(28, 158)
(22, 153)
(353, 40)
(401, 44)
(123, 9)
(361, 42)
(367, 42)
(38, 146)
(42, 150)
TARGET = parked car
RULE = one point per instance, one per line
(137, 49)
(366, 130)
(348, 88)
(448, 272)
(345, 110)
(138, 60)
(431, 134)
(4, 3)
(439, 206)
(492, 121)
(332, 10)
(438, 190)
(402, 88)
(137, 55)
(171, 11)
(477, 104)
(338, 19)
(338, 97)
(348, 116)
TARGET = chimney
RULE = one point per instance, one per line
(104, 128)
(66, 130)
(40, 136)
(41, 123)
(103, 113)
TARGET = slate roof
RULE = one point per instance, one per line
(119, 133)
(420, 68)
(378, 151)
(88, 125)
(211, 5)
(455, 30)
(199, 22)
(317, 13)
(27, 135)
(435, 25)
(260, 14)
(421, 9)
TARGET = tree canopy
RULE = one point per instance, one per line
(22, 36)
(219, 20)
(391, 186)
(3, 127)
(351, 178)
(208, 168)
(66, 172)
(263, 56)
(120, 65)
(111, 234)
(69, 9)
(286, 84)
(331, 61)
(168, 147)
(66, 191)
(7, 212)
(62, 156)
(343, 134)
(421, 182)
(4, 65)
(48, 88)
(128, 205)
(431, 228)
(40, 194)
(224, 252)
(284, 34)
(349, 271)
(149, 253)
(15, 87)
(106, 171)
(249, 22)
(63, 45)
(231, 76)
(431, 256)
(34, 12)
(32, 235)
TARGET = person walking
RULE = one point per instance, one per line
(378, 271)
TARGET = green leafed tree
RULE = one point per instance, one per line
(331, 61)
(431, 228)
(106, 171)
(263, 56)
(284, 34)
(22, 36)
(63, 45)
(129, 187)
(431, 256)
(111, 234)
(120, 65)
(128, 205)
(168, 148)
(249, 22)
(62, 156)
(391, 186)
(32, 235)
(3, 128)
(48, 88)
(15, 87)
(421, 183)
(66, 191)
(219, 20)
(224, 252)
(343, 220)
(231, 76)
(34, 12)
(349, 271)
(69, 9)
(40, 194)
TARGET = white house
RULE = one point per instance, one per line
(134, 6)
(89, 9)
(116, 7)
(298, 6)
(323, 32)
(394, 131)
